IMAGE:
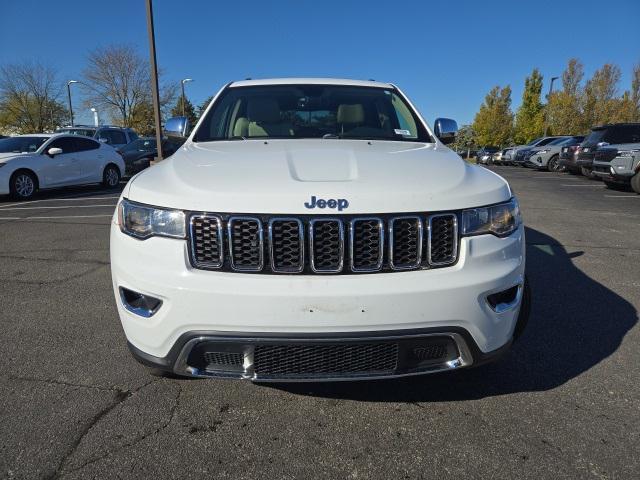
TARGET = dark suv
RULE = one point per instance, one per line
(604, 136)
(117, 137)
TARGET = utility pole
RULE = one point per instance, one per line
(185, 80)
(546, 114)
(69, 93)
(154, 79)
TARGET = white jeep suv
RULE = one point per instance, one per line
(317, 229)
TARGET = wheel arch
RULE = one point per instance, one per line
(27, 170)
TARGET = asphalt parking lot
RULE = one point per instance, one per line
(564, 403)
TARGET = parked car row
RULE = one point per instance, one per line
(610, 152)
(74, 156)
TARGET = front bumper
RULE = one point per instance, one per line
(213, 306)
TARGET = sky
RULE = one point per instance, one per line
(444, 55)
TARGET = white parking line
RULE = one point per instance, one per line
(59, 208)
(64, 199)
(581, 185)
(56, 216)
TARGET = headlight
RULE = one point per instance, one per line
(143, 221)
(501, 220)
(540, 152)
(627, 153)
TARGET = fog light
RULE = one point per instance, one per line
(143, 305)
(504, 300)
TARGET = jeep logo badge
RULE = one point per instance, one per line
(340, 203)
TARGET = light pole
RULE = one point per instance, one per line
(546, 114)
(185, 80)
(69, 93)
(96, 121)
(154, 78)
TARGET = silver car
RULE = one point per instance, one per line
(547, 157)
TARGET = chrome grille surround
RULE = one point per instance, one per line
(242, 257)
(353, 244)
(404, 249)
(307, 244)
(451, 257)
(276, 238)
(198, 225)
(320, 226)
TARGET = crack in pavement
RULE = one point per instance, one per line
(136, 440)
(66, 384)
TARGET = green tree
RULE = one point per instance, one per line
(600, 103)
(29, 99)
(189, 110)
(494, 121)
(465, 140)
(203, 106)
(529, 122)
(628, 108)
(563, 109)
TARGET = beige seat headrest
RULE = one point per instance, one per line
(350, 113)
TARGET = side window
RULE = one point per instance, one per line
(83, 144)
(624, 134)
(132, 135)
(114, 137)
(67, 144)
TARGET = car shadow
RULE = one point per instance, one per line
(575, 323)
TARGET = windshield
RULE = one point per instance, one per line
(21, 144)
(311, 111)
(140, 145)
(533, 142)
(546, 141)
(87, 132)
(559, 141)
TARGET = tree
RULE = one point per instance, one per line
(203, 106)
(493, 122)
(465, 140)
(117, 79)
(29, 99)
(530, 116)
(600, 103)
(189, 110)
(563, 109)
(628, 108)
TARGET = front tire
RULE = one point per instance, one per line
(635, 183)
(525, 310)
(111, 176)
(553, 165)
(586, 172)
(23, 185)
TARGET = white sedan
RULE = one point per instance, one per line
(29, 163)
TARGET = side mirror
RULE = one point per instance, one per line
(445, 129)
(103, 140)
(52, 152)
(177, 127)
(603, 144)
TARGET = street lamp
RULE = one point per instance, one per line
(69, 93)
(185, 80)
(546, 114)
(95, 117)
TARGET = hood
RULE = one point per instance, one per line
(280, 176)
(5, 157)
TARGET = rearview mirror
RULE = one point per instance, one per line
(52, 152)
(445, 129)
(177, 127)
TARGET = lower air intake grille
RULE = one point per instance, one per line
(226, 359)
(324, 360)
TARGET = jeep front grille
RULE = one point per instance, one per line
(322, 245)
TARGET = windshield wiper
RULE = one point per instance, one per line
(331, 135)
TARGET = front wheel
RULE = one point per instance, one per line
(553, 165)
(635, 183)
(111, 176)
(23, 185)
(586, 172)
